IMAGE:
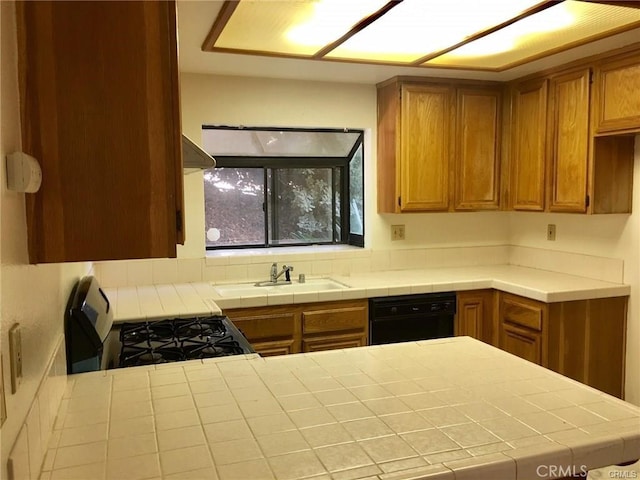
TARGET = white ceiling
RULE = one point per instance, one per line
(196, 17)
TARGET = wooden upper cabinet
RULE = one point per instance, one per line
(528, 141)
(424, 147)
(569, 154)
(414, 145)
(618, 87)
(422, 127)
(477, 159)
(100, 111)
(388, 163)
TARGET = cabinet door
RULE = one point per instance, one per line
(477, 158)
(618, 84)
(425, 121)
(570, 144)
(100, 111)
(522, 342)
(332, 326)
(475, 317)
(334, 319)
(528, 153)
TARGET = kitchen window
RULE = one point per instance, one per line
(283, 187)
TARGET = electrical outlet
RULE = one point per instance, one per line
(3, 403)
(551, 232)
(397, 232)
(15, 350)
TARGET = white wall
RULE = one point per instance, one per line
(616, 236)
(219, 100)
(33, 296)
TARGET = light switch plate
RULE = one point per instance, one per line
(551, 232)
(15, 350)
(3, 403)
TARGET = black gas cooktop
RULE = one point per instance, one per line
(173, 340)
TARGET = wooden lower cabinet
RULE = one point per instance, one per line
(270, 330)
(280, 330)
(333, 342)
(587, 342)
(335, 326)
(475, 315)
(522, 327)
(583, 340)
(522, 342)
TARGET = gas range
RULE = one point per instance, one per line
(173, 340)
(93, 342)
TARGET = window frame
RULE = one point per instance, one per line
(296, 162)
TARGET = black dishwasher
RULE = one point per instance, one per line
(408, 318)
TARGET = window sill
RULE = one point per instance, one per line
(262, 255)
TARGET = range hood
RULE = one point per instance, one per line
(194, 157)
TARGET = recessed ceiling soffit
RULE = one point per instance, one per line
(489, 35)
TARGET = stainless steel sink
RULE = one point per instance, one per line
(266, 288)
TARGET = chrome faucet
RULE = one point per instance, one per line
(274, 275)
(285, 269)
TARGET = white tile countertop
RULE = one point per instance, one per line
(162, 301)
(451, 409)
(156, 302)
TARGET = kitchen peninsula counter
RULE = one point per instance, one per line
(201, 298)
(452, 408)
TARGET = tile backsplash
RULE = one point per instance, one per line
(590, 266)
(28, 452)
(255, 265)
(243, 265)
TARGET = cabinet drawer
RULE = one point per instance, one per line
(335, 319)
(266, 326)
(522, 343)
(333, 342)
(275, 347)
(522, 312)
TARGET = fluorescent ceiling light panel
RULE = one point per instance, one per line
(489, 35)
(416, 28)
(553, 29)
(292, 27)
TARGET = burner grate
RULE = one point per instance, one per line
(171, 340)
